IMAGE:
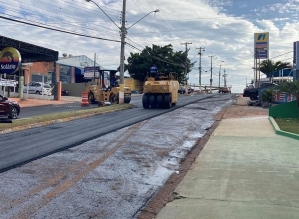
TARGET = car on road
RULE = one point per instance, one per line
(182, 90)
(9, 108)
(38, 88)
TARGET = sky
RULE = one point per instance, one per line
(224, 28)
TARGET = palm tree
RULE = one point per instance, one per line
(268, 67)
(291, 88)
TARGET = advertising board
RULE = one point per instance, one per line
(261, 45)
(10, 60)
(91, 72)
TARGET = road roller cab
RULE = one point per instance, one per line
(101, 92)
(161, 91)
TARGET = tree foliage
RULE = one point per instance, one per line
(163, 57)
(268, 67)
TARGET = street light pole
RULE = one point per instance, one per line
(211, 78)
(122, 55)
(123, 32)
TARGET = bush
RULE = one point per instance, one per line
(268, 96)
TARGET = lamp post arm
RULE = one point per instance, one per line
(157, 10)
(103, 12)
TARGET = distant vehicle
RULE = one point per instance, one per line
(38, 88)
(9, 108)
(224, 90)
(252, 93)
(64, 92)
(182, 90)
(190, 90)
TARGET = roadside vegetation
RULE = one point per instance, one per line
(268, 67)
(56, 117)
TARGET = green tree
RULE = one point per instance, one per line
(163, 57)
(268, 67)
(291, 88)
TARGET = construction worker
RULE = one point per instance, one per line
(154, 71)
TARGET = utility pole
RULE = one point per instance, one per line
(186, 64)
(201, 50)
(94, 68)
(220, 74)
(211, 78)
(123, 32)
(225, 75)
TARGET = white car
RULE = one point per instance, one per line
(37, 88)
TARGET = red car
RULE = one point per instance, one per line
(9, 108)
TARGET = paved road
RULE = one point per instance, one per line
(23, 146)
(47, 109)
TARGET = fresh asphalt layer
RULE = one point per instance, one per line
(27, 112)
(23, 146)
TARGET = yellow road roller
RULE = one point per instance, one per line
(160, 91)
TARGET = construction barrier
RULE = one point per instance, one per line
(84, 101)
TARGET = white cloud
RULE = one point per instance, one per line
(205, 23)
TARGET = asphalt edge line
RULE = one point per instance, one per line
(278, 131)
(55, 121)
(51, 122)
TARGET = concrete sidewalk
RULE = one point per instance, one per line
(244, 171)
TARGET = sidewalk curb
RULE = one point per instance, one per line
(280, 132)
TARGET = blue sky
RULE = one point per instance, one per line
(224, 28)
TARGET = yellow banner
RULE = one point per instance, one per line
(261, 37)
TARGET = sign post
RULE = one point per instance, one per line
(91, 72)
(261, 51)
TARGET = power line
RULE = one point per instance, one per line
(281, 55)
(62, 31)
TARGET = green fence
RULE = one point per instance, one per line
(284, 110)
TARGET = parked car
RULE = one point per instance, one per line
(38, 88)
(9, 108)
(64, 92)
(252, 93)
(182, 90)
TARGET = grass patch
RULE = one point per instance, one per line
(64, 115)
(288, 125)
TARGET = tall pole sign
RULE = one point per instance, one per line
(296, 60)
(261, 51)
